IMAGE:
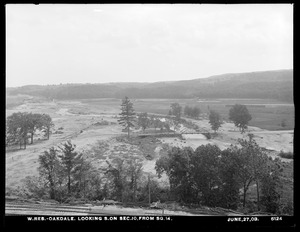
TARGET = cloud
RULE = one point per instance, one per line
(153, 41)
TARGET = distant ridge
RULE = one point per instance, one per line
(275, 84)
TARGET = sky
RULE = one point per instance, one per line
(87, 43)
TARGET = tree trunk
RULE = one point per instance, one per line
(149, 190)
(134, 190)
(25, 141)
(48, 133)
(84, 188)
(31, 138)
(52, 190)
(69, 183)
(257, 191)
(244, 199)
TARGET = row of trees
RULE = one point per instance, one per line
(212, 177)
(238, 114)
(128, 118)
(22, 125)
(206, 176)
(145, 121)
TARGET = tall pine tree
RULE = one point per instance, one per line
(127, 116)
(71, 162)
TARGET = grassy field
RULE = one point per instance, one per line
(12, 101)
(266, 114)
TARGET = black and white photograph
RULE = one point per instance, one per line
(149, 112)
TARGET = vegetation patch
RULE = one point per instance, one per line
(102, 123)
(207, 135)
(146, 145)
(286, 155)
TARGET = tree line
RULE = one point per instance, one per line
(211, 177)
(238, 114)
(206, 176)
(281, 89)
(22, 125)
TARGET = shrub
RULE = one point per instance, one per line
(286, 155)
(34, 187)
(207, 135)
(287, 208)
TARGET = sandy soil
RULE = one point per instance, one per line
(229, 134)
(80, 128)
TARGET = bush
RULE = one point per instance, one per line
(287, 208)
(34, 187)
(207, 135)
(286, 155)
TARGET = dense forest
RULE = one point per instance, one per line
(265, 85)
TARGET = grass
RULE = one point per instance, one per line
(13, 101)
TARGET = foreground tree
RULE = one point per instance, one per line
(116, 173)
(71, 162)
(270, 183)
(127, 115)
(258, 163)
(64, 173)
(177, 166)
(250, 163)
(134, 171)
(206, 174)
(124, 175)
(87, 181)
(49, 169)
(229, 173)
(215, 120)
(240, 116)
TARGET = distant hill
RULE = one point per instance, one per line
(276, 84)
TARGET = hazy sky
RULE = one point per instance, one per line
(54, 43)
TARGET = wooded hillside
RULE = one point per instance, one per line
(267, 85)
